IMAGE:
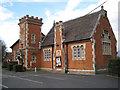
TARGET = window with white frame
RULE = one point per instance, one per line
(78, 52)
(33, 38)
(47, 54)
(106, 43)
(33, 59)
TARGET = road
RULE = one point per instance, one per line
(12, 79)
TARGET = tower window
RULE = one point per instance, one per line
(33, 59)
(33, 38)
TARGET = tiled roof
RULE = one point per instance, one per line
(15, 43)
(77, 29)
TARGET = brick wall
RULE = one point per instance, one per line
(102, 60)
(86, 64)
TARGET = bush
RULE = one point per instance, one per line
(19, 68)
(10, 66)
(4, 64)
(114, 67)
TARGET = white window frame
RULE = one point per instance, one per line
(79, 55)
(47, 54)
(106, 44)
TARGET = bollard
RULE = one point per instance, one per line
(35, 69)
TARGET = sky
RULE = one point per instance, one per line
(59, 10)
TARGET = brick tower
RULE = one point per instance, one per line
(30, 37)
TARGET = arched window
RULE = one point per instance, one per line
(74, 52)
(47, 54)
(82, 52)
(78, 51)
(106, 43)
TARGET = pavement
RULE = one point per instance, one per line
(12, 79)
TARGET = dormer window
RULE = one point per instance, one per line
(106, 43)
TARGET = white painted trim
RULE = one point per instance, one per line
(26, 57)
(58, 69)
(81, 70)
(94, 29)
(93, 52)
(46, 68)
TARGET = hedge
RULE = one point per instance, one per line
(113, 67)
(10, 66)
(19, 68)
(4, 64)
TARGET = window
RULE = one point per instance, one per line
(33, 59)
(74, 52)
(78, 52)
(33, 38)
(47, 55)
(106, 43)
(82, 51)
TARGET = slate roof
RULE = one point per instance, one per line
(76, 29)
(15, 43)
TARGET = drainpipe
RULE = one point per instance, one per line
(67, 57)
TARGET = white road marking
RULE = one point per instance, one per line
(3, 86)
(28, 80)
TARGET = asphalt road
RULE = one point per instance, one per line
(12, 79)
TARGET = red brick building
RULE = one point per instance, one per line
(76, 46)
(8, 57)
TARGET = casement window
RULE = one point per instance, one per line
(78, 52)
(33, 38)
(47, 54)
(106, 43)
(33, 59)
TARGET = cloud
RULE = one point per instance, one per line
(8, 29)
(4, 1)
(47, 13)
(5, 14)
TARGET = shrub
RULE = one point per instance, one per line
(114, 67)
(19, 68)
(10, 67)
(4, 64)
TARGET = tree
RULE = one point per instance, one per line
(2, 49)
